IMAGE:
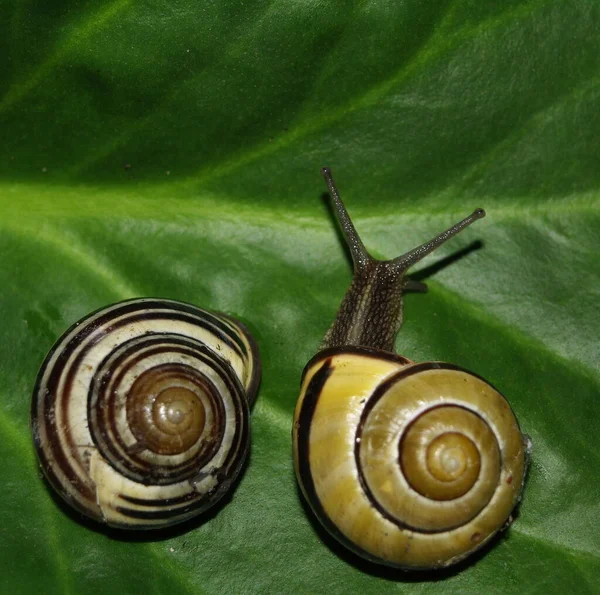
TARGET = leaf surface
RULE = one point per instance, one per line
(173, 150)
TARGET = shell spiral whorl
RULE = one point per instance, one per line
(411, 465)
(140, 412)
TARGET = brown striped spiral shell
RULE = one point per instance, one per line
(140, 411)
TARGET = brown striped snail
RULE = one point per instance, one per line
(411, 465)
(140, 411)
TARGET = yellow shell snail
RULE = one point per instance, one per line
(140, 411)
(411, 465)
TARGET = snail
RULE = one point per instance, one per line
(140, 413)
(409, 465)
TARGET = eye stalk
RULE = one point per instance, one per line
(370, 314)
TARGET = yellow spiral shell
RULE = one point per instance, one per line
(410, 465)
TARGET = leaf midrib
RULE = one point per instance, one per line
(26, 204)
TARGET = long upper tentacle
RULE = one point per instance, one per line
(359, 253)
(370, 314)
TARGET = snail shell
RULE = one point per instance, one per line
(411, 465)
(140, 411)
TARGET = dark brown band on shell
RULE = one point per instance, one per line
(361, 351)
(102, 415)
(370, 404)
(55, 446)
(304, 423)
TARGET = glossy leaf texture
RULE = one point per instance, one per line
(173, 149)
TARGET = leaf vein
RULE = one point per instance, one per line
(82, 32)
(429, 53)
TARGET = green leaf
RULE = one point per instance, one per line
(173, 149)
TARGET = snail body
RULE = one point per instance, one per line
(411, 465)
(140, 414)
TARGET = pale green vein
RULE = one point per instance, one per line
(22, 443)
(576, 562)
(39, 202)
(157, 551)
(490, 157)
(236, 46)
(446, 19)
(561, 548)
(135, 127)
(450, 21)
(82, 31)
(71, 247)
(439, 46)
(139, 124)
(582, 567)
